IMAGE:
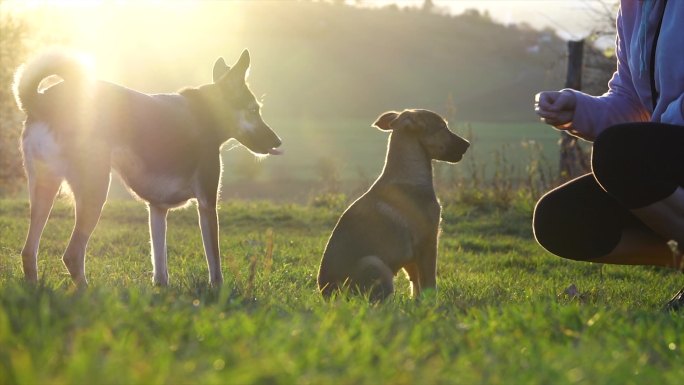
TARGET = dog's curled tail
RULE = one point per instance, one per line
(368, 276)
(28, 76)
(373, 278)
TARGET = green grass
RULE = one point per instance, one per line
(499, 316)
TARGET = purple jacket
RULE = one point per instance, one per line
(629, 96)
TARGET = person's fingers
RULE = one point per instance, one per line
(545, 113)
(552, 102)
(552, 121)
(545, 99)
(553, 118)
(566, 101)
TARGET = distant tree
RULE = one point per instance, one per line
(589, 70)
(599, 64)
(573, 160)
(13, 33)
(604, 14)
(429, 6)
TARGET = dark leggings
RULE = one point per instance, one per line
(634, 165)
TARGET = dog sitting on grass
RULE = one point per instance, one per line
(395, 224)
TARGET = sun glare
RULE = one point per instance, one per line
(120, 35)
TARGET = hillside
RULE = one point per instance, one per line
(334, 60)
(324, 60)
(327, 71)
(342, 61)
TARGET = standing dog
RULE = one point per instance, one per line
(395, 224)
(165, 147)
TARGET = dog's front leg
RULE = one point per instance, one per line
(208, 219)
(158, 237)
(427, 266)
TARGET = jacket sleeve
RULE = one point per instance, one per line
(620, 104)
(674, 113)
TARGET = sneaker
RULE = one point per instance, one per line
(676, 303)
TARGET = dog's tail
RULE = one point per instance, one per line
(29, 76)
(369, 276)
(373, 277)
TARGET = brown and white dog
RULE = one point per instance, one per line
(395, 224)
(165, 147)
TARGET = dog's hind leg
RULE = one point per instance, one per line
(414, 276)
(158, 236)
(90, 194)
(373, 277)
(43, 187)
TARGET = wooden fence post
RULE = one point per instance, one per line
(573, 160)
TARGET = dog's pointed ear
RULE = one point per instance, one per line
(384, 120)
(405, 120)
(220, 69)
(240, 69)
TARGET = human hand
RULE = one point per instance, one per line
(556, 108)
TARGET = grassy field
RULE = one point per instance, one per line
(500, 315)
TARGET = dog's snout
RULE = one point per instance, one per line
(269, 140)
(277, 142)
(273, 140)
(459, 143)
(454, 150)
(464, 143)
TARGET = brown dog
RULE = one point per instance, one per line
(395, 224)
